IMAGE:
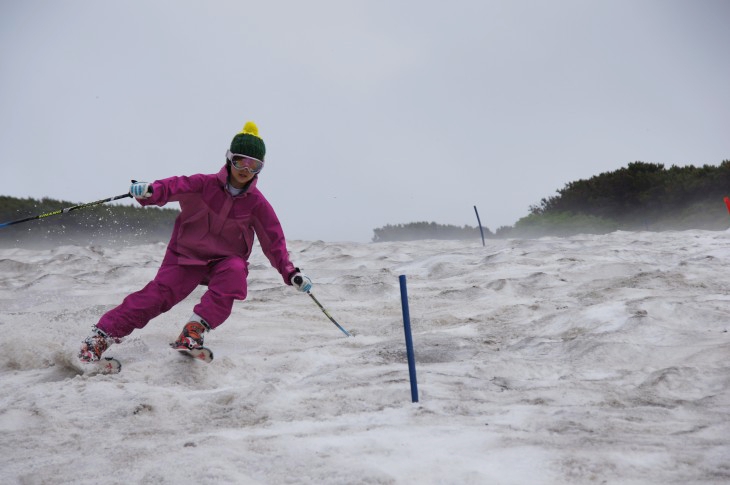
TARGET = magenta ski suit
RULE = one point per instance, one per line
(210, 245)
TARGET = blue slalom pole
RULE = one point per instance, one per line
(409, 338)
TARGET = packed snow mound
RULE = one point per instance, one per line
(590, 359)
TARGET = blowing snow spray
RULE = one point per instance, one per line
(64, 211)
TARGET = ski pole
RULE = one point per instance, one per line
(328, 315)
(63, 211)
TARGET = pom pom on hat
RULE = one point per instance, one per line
(251, 129)
(248, 142)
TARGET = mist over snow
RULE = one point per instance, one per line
(589, 359)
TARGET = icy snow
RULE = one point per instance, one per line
(590, 359)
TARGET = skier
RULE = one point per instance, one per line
(210, 245)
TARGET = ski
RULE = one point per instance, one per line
(107, 365)
(200, 353)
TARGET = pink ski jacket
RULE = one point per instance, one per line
(214, 225)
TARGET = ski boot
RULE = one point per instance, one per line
(94, 345)
(91, 349)
(190, 342)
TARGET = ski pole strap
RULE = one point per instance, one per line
(63, 211)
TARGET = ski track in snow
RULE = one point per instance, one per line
(590, 359)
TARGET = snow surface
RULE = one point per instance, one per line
(591, 359)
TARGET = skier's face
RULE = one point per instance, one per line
(239, 178)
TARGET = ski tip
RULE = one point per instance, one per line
(107, 365)
(110, 365)
(203, 353)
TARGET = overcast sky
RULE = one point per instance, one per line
(373, 112)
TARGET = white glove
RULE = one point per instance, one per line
(301, 282)
(140, 190)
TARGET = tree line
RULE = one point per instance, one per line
(425, 230)
(641, 196)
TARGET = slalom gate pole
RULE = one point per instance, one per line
(63, 211)
(727, 203)
(480, 225)
(409, 338)
(328, 315)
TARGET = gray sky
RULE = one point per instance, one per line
(373, 112)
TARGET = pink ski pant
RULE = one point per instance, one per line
(226, 280)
